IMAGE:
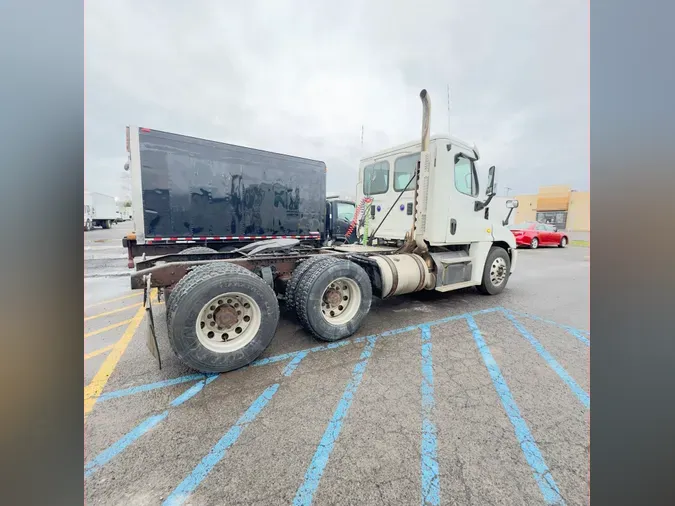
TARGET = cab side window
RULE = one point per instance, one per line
(345, 211)
(404, 170)
(466, 180)
(376, 178)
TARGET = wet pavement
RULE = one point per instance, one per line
(453, 398)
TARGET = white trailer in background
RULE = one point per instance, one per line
(123, 213)
(99, 210)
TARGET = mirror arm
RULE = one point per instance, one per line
(506, 221)
(479, 206)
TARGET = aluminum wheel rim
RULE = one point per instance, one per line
(228, 322)
(534, 243)
(498, 271)
(340, 301)
(564, 242)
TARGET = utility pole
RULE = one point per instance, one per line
(507, 190)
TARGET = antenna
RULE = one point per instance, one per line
(448, 109)
(361, 138)
(507, 190)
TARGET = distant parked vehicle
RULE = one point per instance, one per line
(123, 214)
(99, 210)
(535, 234)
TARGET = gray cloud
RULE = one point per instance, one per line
(301, 77)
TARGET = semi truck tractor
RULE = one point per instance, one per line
(198, 195)
(430, 227)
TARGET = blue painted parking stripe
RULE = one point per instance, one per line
(150, 386)
(429, 463)
(293, 364)
(192, 391)
(292, 355)
(305, 493)
(578, 333)
(189, 484)
(286, 356)
(579, 392)
(534, 458)
(120, 445)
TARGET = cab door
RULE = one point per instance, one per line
(465, 224)
(343, 213)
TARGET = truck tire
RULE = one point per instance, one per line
(298, 273)
(188, 251)
(333, 298)
(222, 318)
(496, 272)
(88, 226)
(106, 224)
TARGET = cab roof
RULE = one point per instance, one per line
(417, 145)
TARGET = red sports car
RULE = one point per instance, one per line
(538, 234)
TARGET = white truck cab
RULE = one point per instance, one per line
(447, 213)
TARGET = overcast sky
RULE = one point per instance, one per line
(301, 77)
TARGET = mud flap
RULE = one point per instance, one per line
(150, 334)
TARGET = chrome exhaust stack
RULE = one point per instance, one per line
(415, 239)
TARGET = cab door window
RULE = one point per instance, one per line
(466, 179)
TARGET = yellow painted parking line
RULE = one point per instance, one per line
(93, 390)
(98, 352)
(119, 310)
(106, 329)
(136, 294)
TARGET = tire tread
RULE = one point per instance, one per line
(305, 286)
(298, 273)
(197, 276)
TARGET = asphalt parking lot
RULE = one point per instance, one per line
(453, 398)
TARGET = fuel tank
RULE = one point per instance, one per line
(403, 273)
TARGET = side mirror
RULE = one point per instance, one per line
(490, 191)
(511, 204)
